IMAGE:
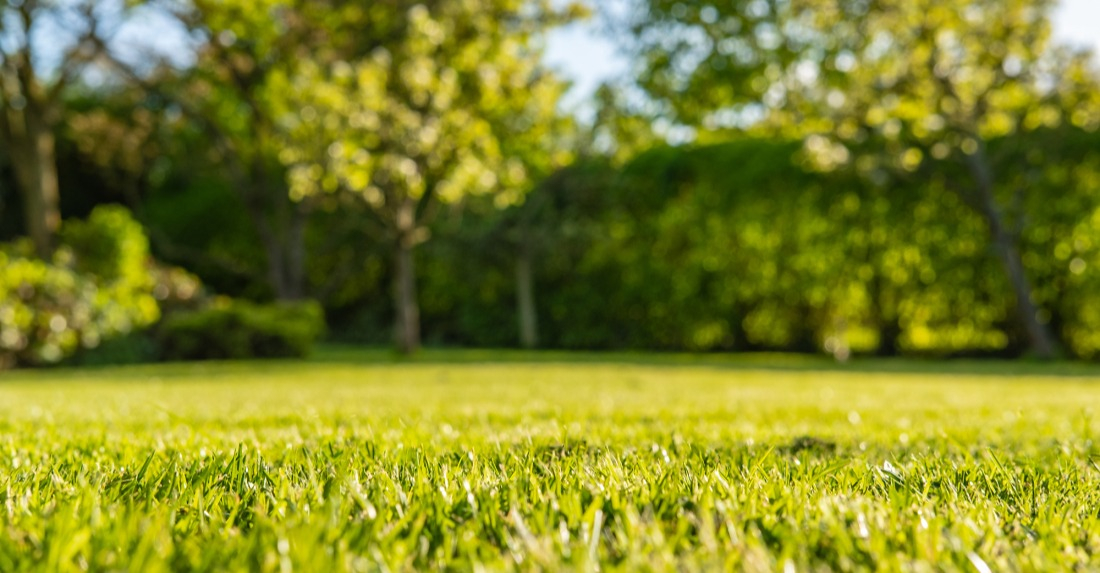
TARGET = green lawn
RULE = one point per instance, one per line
(485, 460)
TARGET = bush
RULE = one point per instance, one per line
(96, 286)
(174, 290)
(237, 330)
(133, 348)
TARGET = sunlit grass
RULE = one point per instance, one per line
(549, 461)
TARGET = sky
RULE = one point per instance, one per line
(581, 55)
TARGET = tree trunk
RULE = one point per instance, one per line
(406, 309)
(1040, 342)
(34, 160)
(889, 337)
(296, 253)
(280, 224)
(407, 322)
(525, 299)
(885, 316)
(273, 248)
(285, 258)
(740, 336)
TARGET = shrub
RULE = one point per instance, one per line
(175, 290)
(236, 330)
(138, 347)
(96, 286)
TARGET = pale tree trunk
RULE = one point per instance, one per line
(525, 299)
(296, 252)
(280, 224)
(285, 250)
(406, 308)
(34, 161)
(1040, 341)
(273, 249)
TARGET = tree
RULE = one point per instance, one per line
(535, 141)
(717, 66)
(229, 91)
(122, 136)
(618, 130)
(32, 88)
(892, 87)
(919, 86)
(554, 216)
(410, 124)
(246, 44)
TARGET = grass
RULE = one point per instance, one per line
(490, 461)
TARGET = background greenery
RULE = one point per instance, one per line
(409, 167)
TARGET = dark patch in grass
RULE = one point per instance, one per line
(810, 444)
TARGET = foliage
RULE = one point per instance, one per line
(743, 246)
(912, 71)
(312, 146)
(111, 245)
(197, 221)
(454, 464)
(619, 131)
(719, 66)
(137, 347)
(552, 228)
(238, 329)
(451, 101)
(892, 88)
(229, 96)
(967, 75)
(1063, 166)
(414, 118)
(97, 285)
(32, 94)
(175, 290)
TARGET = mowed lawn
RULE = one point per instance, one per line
(500, 461)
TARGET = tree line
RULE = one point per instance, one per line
(868, 175)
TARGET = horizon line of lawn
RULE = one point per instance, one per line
(375, 356)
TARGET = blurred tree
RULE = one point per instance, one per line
(247, 44)
(420, 119)
(536, 239)
(916, 85)
(717, 66)
(45, 46)
(887, 86)
(618, 130)
(119, 134)
(242, 48)
(535, 140)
